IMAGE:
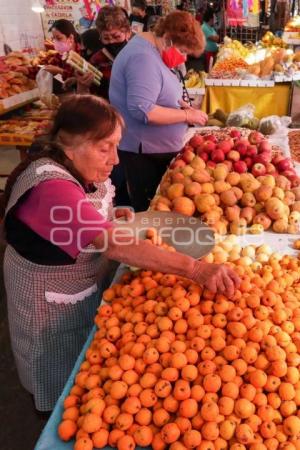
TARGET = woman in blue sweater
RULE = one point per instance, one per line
(148, 95)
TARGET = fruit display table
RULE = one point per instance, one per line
(267, 100)
(255, 254)
(49, 439)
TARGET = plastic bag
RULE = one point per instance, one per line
(274, 124)
(44, 82)
(241, 116)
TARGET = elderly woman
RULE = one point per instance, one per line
(148, 94)
(60, 237)
(114, 32)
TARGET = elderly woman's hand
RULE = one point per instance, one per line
(216, 278)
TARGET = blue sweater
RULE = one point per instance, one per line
(140, 80)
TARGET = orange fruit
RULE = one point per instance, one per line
(67, 429)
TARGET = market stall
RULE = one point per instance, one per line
(256, 244)
(259, 73)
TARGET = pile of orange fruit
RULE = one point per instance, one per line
(175, 366)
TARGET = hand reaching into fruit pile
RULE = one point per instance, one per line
(218, 278)
(214, 277)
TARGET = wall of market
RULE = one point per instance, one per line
(20, 27)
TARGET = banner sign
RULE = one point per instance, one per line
(82, 13)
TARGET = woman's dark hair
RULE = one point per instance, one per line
(66, 27)
(208, 15)
(91, 40)
(80, 118)
(110, 17)
(141, 4)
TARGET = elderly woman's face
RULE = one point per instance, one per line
(114, 36)
(95, 160)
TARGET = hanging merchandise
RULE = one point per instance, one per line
(235, 12)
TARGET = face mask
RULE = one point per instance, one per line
(172, 57)
(62, 46)
(115, 48)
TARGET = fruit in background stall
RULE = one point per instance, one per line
(278, 68)
(248, 183)
(233, 155)
(258, 169)
(220, 172)
(280, 226)
(263, 219)
(239, 227)
(220, 115)
(274, 208)
(217, 155)
(266, 66)
(248, 213)
(255, 137)
(184, 205)
(254, 69)
(263, 193)
(204, 202)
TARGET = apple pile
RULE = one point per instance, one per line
(241, 154)
(227, 200)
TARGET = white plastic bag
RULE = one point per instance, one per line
(241, 116)
(274, 124)
(44, 82)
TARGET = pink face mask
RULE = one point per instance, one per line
(62, 46)
(172, 57)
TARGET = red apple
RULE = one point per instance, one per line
(241, 148)
(258, 170)
(284, 164)
(270, 168)
(249, 162)
(217, 155)
(211, 137)
(252, 151)
(255, 137)
(187, 147)
(263, 158)
(196, 140)
(178, 163)
(208, 146)
(225, 146)
(264, 146)
(188, 156)
(235, 134)
(290, 174)
(240, 166)
(277, 159)
(204, 156)
(233, 155)
(211, 164)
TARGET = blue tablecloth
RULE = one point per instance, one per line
(49, 439)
